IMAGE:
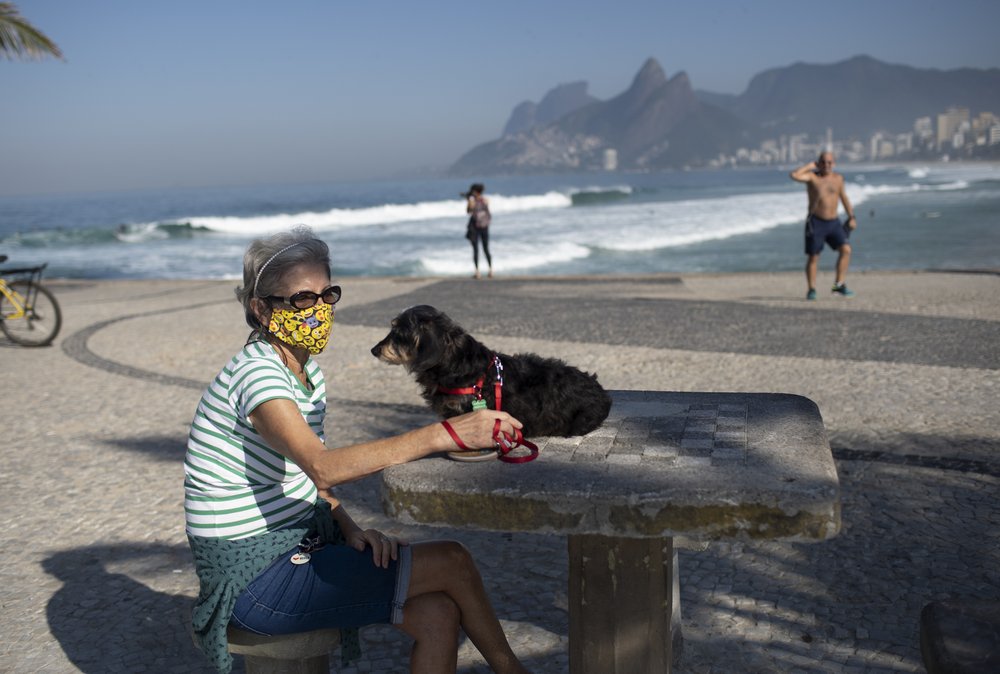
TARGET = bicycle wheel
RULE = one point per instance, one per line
(41, 321)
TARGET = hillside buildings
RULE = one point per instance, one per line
(953, 133)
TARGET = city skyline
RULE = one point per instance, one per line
(953, 133)
(189, 94)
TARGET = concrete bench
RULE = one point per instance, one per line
(961, 637)
(695, 466)
(304, 653)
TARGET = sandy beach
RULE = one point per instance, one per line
(96, 571)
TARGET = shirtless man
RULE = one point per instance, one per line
(826, 189)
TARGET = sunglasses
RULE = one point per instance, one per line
(305, 299)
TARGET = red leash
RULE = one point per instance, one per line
(504, 442)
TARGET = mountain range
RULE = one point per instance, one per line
(660, 122)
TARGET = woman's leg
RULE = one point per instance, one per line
(475, 250)
(432, 620)
(485, 234)
(446, 567)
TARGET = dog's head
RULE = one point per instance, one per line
(419, 338)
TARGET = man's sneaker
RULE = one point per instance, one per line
(811, 295)
(842, 290)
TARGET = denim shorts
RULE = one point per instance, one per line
(338, 587)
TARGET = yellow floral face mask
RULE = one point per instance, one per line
(303, 328)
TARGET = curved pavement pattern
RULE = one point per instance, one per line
(98, 573)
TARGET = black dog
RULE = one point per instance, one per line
(548, 396)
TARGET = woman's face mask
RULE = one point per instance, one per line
(303, 328)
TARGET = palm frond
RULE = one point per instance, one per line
(19, 39)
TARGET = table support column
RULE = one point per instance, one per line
(624, 605)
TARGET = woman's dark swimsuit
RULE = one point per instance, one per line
(475, 234)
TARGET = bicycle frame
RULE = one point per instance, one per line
(15, 299)
(21, 303)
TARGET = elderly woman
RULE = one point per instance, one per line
(274, 552)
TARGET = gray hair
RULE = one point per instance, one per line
(266, 262)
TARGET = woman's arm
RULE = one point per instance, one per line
(281, 424)
(384, 548)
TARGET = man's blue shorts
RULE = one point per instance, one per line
(338, 587)
(820, 231)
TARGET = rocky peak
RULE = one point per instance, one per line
(649, 78)
(680, 82)
(559, 101)
(564, 99)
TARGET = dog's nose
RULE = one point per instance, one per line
(375, 350)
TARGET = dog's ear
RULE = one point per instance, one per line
(428, 345)
(430, 349)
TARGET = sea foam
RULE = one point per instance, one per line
(340, 218)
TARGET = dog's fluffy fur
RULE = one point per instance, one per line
(548, 396)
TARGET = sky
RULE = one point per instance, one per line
(193, 93)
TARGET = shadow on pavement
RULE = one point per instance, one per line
(106, 620)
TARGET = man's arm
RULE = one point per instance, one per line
(852, 222)
(804, 173)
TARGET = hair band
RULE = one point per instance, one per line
(269, 260)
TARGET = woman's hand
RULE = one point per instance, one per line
(384, 548)
(476, 428)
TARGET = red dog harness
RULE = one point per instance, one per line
(504, 442)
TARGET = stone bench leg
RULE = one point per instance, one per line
(305, 653)
(961, 637)
(624, 605)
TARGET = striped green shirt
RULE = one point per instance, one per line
(236, 486)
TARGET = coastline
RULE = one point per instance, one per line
(695, 222)
(905, 376)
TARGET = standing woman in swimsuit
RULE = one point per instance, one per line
(478, 229)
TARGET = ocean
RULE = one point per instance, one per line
(933, 216)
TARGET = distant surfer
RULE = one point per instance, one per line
(826, 190)
(478, 228)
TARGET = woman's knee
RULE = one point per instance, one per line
(457, 554)
(441, 565)
(450, 554)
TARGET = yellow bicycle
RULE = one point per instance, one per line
(29, 313)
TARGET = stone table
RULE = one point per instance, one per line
(697, 466)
